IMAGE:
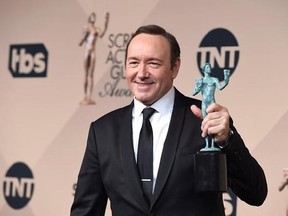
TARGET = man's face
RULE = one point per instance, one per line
(148, 70)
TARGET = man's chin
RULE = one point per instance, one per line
(144, 99)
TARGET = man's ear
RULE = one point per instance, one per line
(176, 68)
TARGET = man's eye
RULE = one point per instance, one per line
(154, 64)
(133, 63)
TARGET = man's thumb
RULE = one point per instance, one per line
(196, 111)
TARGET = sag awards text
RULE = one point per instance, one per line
(116, 87)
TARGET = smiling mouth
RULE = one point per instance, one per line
(144, 81)
(144, 84)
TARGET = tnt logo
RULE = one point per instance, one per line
(18, 185)
(230, 203)
(219, 48)
(28, 60)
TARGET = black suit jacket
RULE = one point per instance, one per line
(109, 169)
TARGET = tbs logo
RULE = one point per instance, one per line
(219, 48)
(28, 60)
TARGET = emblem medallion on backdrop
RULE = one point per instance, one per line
(220, 48)
(18, 185)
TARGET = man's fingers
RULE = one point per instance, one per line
(196, 111)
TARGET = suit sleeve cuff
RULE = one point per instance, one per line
(225, 145)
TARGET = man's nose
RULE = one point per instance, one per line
(142, 71)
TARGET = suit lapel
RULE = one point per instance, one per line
(170, 145)
(128, 160)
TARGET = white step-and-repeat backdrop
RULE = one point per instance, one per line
(44, 126)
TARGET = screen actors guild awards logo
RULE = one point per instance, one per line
(116, 87)
(90, 36)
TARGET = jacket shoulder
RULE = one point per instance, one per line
(114, 115)
(187, 100)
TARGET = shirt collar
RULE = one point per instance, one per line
(163, 106)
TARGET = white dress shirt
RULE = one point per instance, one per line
(160, 121)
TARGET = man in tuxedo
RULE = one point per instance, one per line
(110, 167)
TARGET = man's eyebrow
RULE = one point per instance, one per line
(155, 59)
(132, 58)
(147, 60)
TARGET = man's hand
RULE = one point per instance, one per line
(216, 123)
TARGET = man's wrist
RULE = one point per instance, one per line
(226, 143)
